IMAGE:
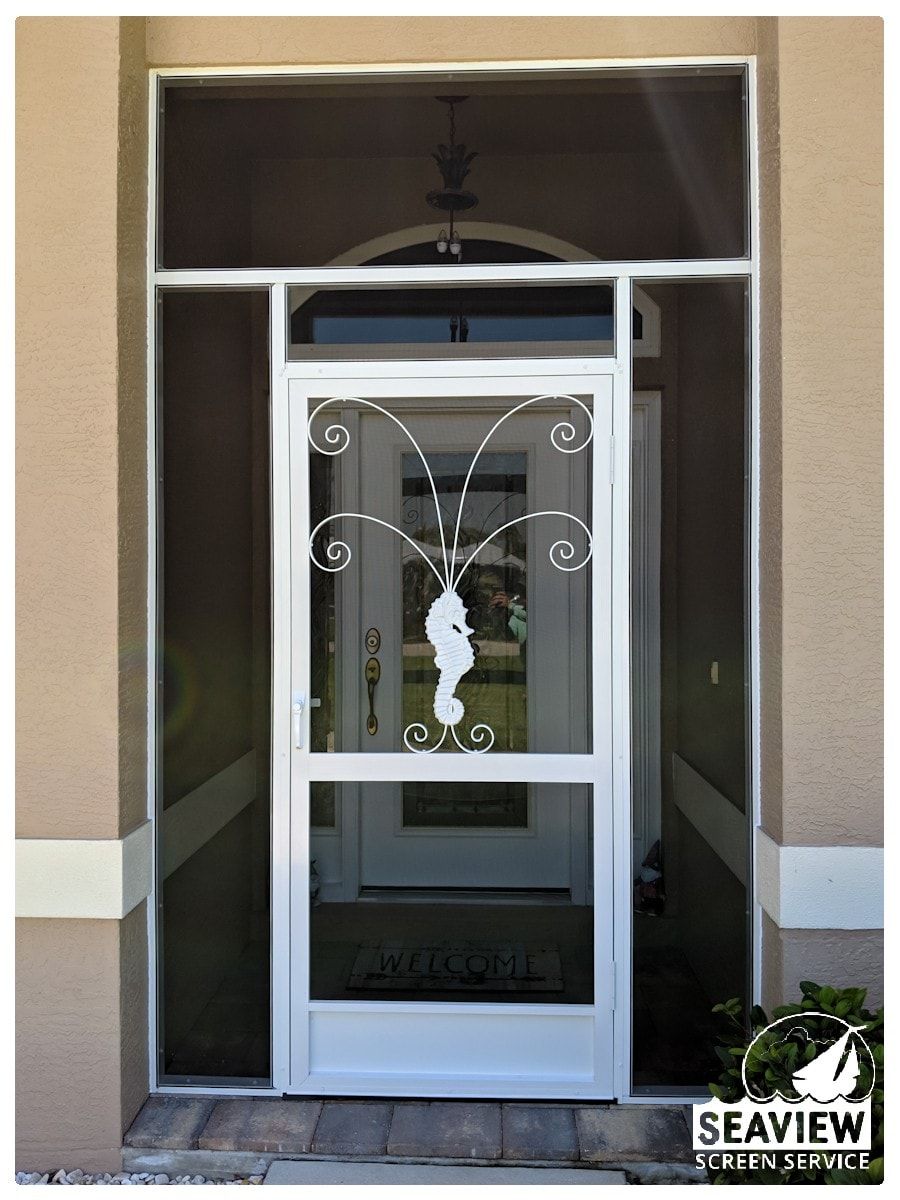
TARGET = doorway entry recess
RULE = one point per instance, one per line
(443, 951)
(448, 723)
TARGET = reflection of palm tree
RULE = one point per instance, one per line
(500, 503)
(426, 532)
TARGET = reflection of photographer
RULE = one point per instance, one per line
(518, 619)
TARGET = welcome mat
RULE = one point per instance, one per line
(463, 967)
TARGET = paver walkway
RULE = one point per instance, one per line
(430, 1132)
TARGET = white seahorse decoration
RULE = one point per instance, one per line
(446, 629)
(445, 626)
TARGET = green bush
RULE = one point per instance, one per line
(774, 1061)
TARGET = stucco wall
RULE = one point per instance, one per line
(836, 958)
(770, 456)
(81, 572)
(830, 97)
(67, 341)
(224, 41)
(81, 388)
(821, 392)
(81, 1039)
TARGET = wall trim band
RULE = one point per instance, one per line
(820, 887)
(800, 887)
(105, 878)
(102, 878)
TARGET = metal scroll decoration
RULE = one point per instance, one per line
(446, 626)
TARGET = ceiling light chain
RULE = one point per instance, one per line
(453, 162)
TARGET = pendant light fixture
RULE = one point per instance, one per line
(453, 162)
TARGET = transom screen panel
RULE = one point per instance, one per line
(617, 164)
(451, 560)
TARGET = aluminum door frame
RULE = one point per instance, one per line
(290, 905)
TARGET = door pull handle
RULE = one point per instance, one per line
(373, 674)
(297, 715)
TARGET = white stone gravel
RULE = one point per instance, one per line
(123, 1178)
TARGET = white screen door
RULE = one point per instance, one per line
(451, 819)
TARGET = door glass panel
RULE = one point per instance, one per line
(451, 587)
(491, 900)
(463, 322)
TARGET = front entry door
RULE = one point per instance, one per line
(451, 729)
(509, 835)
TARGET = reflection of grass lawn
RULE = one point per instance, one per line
(502, 706)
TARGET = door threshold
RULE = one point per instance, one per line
(483, 896)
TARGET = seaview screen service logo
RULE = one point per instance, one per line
(825, 1120)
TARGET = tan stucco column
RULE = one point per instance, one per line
(80, 321)
(821, 621)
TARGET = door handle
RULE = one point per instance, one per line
(373, 674)
(297, 709)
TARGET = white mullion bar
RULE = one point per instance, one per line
(753, 493)
(281, 692)
(487, 273)
(450, 768)
(506, 67)
(472, 1008)
(603, 568)
(483, 376)
(153, 525)
(621, 723)
(299, 735)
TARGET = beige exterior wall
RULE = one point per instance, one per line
(81, 576)
(81, 1039)
(82, 504)
(301, 41)
(835, 957)
(830, 97)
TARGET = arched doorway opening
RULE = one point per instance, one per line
(558, 319)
